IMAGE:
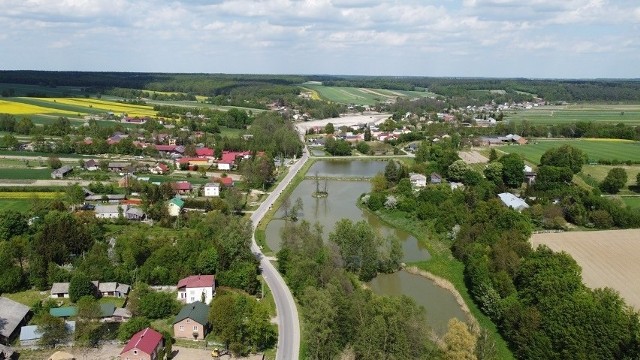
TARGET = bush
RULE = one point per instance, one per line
(80, 286)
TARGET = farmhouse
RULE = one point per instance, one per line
(61, 172)
(91, 165)
(418, 180)
(192, 321)
(143, 345)
(60, 290)
(513, 201)
(195, 288)
(175, 206)
(12, 316)
(181, 187)
(114, 289)
(160, 169)
(212, 190)
(119, 166)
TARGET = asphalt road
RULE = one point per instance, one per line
(288, 324)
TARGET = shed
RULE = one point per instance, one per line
(12, 315)
(513, 201)
(64, 311)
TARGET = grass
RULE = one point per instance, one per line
(599, 172)
(359, 96)
(16, 173)
(104, 106)
(628, 114)
(22, 205)
(28, 297)
(631, 201)
(596, 150)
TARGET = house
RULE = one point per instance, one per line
(192, 321)
(197, 288)
(12, 316)
(30, 336)
(229, 158)
(64, 311)
(513, 201)
(212, 190)
(61, 172)
(181, 187)
(119, 166)
(436, 178)
(91, 165)
(224, 181)
(134, 213)
(59, 290)
(160, 169)
(113, 289)
(175, 206)
(109, 211)
(121, 315)
(418, 180)
(204, 152)
(143, 345)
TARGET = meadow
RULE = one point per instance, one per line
(608, 113)
(596, 150)
(19, 174)
(360, 96)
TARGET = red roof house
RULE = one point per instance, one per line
(197, 288)
(204, 151)
(168, 148)
(181, 187)
(145, 344)
(226, 181)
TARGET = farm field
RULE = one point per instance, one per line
(17, 173)
(31, 90)
(70, 106)
(22, 108)
(631, 201)
(607, 258)
(104, 106)
(629, 114)
(596, 149)
(16, 204)
(599, 172)
(360, 96)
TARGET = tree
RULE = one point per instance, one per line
(235, 200)
(378, 183)
(79, 286)
(9, 142)
(458, 170)
(493, 155)
(54, 331)
(363, 147)
(135, 324)
(54, 162)
(157, 305)
(88, 308)
(564, 156)
(75, 194)
(512, 170)
(367, 134)
(12, 223)
(459, 342)
(11, 279)
(615, 180)
(329, 128)
(493, 172)
(391, 172)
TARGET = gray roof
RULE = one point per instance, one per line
(122, 312)
(513, 201)
(212, 185)
(196, 311)
(63, 170)
(109, 196)
(135, 211)
(118, 164)
(60, 288)
(107, 287)
(109, 209)
(123, 288)
(6, 351)
(11, 315)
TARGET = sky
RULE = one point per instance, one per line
(456, 38)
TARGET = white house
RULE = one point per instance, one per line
(196, 287)
(418, 180)
(513, 201)
(212, 190)
(175, 206)
(224, 166)
(109, 211)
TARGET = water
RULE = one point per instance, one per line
(438, 302)
(347, 168)
(341, 203)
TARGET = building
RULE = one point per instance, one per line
(436, 178)
(192, 321)
(110, 198)
(175, 206)
(64, 311)
(12, 316)
(418, 180)
(30, 336)
(121, 315)
(119, 166)
(143, 345)
(197, 288)
(513, 201)
(134, 213)
(181, 187)
(114, 289)
(109, 211)
(6, 352)
(160, 169)
(212, 190)
(60, 290)
(61, 172)
(91, 165)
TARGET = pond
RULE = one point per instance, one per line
(439, 303)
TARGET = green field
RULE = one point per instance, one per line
(360, 96)
(16, 204)
(632, 201)
(32, 174)
(628, 114)
(595, 149)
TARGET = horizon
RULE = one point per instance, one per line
(543, 39)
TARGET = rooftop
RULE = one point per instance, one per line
(11, 314)
(196, 311)
(144, 340)
(196, 281)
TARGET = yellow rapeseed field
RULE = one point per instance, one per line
(16, 108)
(115, 107)
(28, 195)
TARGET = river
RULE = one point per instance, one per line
(439, 303)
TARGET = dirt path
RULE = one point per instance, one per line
(608, 258)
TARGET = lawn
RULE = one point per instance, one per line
(596, 150)
(22, 205)
(599, 172)
(629, 114)
(17, 173)
(28, 297)
(631, 201)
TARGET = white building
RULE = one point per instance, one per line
(197, 288)
(212, 190)
(109, 211)
(418, 180)
(513, 201)
(175, 206)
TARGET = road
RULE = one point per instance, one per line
(288, 324)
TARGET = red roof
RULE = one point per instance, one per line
(196, 281)
(229, 157)
(163, 167)
(181, 185)
(204, 152)
(145, 340)
(226, 181)
(165, 147)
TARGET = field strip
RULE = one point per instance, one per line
(608, 258)
(374, 92)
